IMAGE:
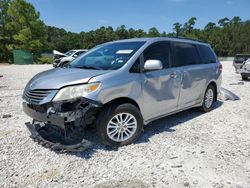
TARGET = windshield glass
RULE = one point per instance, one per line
(108, 56)
(68, 53)
(242, 57)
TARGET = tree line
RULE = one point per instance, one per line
(22, 28)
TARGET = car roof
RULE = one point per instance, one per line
(155, 39)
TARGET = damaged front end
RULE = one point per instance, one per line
(60, 125)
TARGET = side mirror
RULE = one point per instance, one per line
(75, 55)
(153, 65)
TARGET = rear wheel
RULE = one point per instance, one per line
(209, 99)
(119, 125)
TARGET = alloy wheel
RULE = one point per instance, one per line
(121, 127)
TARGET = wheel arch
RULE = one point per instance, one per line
(122, 100)
(213, 83)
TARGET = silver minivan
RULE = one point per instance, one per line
(118, 87)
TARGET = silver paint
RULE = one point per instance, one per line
(157, 93)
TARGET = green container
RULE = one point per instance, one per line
(22, 57)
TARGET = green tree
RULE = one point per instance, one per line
(136, 33)
(122, 32)
(25, 29)
(56, 39)
(177, 28)
(210, 26)
(153, 32)
(164, 34)
(235, 20)
(4, 4)
(189, 25)
(223, 22)
(20, 27)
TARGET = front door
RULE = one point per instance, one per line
(161, 88)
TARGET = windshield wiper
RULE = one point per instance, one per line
(87, 67)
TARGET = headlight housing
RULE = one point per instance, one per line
(76, 91)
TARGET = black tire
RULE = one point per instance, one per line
(108, 112)
(244, 77)
(204, 107)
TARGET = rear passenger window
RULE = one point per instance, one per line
(158, 51)
(185, 54)
(207, 56)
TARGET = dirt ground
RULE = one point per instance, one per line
(188, 149)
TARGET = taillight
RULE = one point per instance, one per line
(220, 67)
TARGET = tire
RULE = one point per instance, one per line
(108, 126)
(244, 77)
(209, 99)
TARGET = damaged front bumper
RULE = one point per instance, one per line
(57, 146)
(61, 113)
(60, 125)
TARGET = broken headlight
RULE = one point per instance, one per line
(76, 91)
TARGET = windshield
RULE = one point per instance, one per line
(242, 57)
(68, 53)
(108, 56)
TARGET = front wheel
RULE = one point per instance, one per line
(209, 99)
(119, 125)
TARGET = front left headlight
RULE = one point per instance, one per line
(76, 91)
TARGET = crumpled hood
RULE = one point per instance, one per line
(55, 52)
(60, 77)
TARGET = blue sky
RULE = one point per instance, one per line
(86, 15)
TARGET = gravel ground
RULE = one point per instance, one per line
(189, 149)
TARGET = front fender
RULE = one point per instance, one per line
(118, 86)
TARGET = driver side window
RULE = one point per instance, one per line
(158, 51)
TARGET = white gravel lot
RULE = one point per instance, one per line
(189, 149)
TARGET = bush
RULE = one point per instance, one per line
(45, 60)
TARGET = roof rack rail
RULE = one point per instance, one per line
(186, 38)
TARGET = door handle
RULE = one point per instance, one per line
(173, 75)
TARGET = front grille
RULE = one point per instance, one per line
(36, 96)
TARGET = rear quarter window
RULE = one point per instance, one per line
(207, 55)
(185, 54)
